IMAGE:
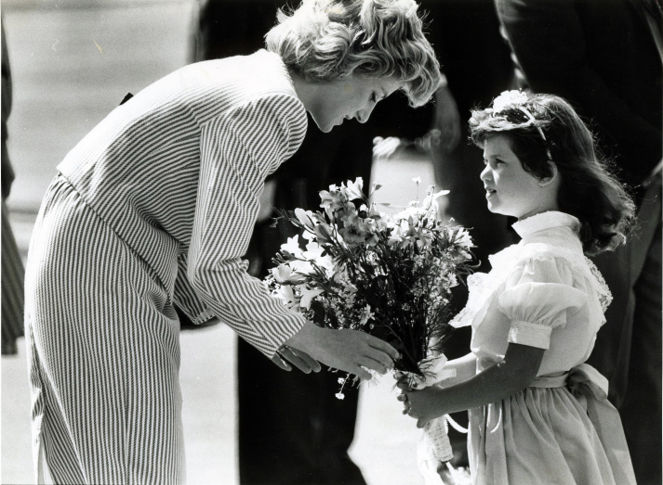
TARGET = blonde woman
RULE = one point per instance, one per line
(154, 208)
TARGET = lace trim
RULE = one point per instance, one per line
(604, 293)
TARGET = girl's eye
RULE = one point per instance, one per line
(374, 97)
(494, 162)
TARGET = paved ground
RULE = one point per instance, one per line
(73, 62)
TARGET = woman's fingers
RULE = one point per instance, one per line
(313, 364)
(376, 365)
(362, 373)
(363, 354)
(346, 350)
(291, 357)
(299, 359)
(279, 362)
(383, 346)
(378, 355)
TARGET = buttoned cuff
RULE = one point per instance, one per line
(530, 334)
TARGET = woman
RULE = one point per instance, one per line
(155, 207)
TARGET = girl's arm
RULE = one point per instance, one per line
(514, 373)
(465, 367)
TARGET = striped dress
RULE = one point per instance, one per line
(153, 208)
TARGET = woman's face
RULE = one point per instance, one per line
(347, 98)
(510, 189)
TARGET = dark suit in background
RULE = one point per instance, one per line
(602, 56)
(12, 266)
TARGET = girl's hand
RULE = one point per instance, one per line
(423, 405)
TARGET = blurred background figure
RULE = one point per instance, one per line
(12, 266)
(291, 427)
(605, 58)
(476, 62)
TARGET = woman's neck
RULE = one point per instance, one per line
(306, 91)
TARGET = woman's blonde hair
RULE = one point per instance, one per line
(324, 40)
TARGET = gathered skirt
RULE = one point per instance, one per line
(543, 436)
(102, 339)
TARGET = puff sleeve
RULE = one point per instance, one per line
(538, 295)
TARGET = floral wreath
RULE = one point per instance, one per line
(516, 100)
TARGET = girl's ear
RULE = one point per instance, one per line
(552, 177)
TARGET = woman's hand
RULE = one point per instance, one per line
(299, 359)
(347, 350)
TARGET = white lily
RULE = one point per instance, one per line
(307, 296)
(292, 246)
(355, 189)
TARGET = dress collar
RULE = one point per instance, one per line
(279, 60)
(545, 220)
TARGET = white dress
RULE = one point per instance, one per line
(544, 293)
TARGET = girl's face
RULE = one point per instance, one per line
(510, 189)
(350, 97)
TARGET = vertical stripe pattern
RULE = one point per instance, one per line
(154, 207)
(106, 396)
(177, 171)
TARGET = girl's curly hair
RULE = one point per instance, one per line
(543, 128)
(324, 40)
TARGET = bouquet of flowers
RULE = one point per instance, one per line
(387, 275)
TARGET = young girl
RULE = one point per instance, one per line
(538, 414)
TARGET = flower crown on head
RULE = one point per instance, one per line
(516, 99)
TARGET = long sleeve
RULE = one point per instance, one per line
(238, 150)
(558, 54)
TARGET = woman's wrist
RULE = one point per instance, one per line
(307, 339)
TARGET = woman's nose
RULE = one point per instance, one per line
(364, 114)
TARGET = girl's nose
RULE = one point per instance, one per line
(484, 176)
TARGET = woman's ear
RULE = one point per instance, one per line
(550, 178)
